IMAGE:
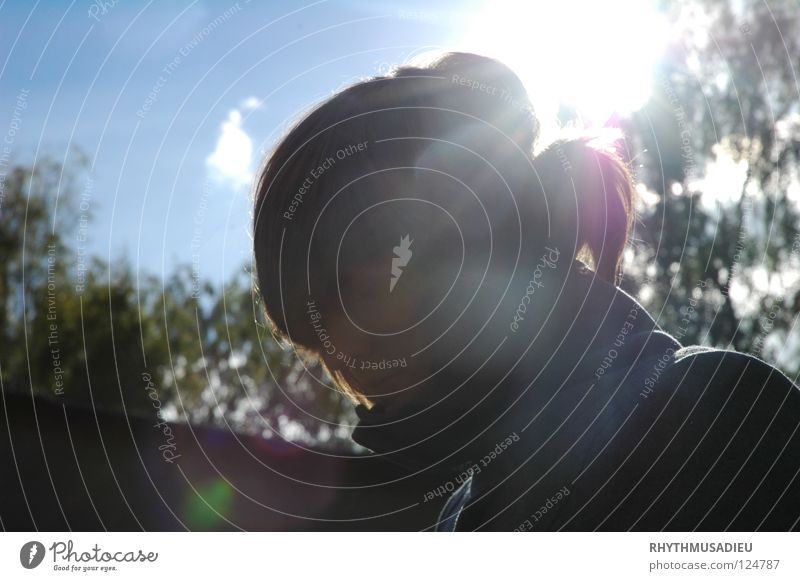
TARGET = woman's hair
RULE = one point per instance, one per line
(402, 218)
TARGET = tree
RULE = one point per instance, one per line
(94, 334)
(721, 274)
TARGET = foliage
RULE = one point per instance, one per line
(716, 264)
(717, 261)
(95, 334)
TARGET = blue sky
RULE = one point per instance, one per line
(175, 102)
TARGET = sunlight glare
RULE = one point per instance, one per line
(596, 56)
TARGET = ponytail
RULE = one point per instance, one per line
(590, 196)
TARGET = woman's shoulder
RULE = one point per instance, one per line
(722, 372)
(727, 391)
(727, 424)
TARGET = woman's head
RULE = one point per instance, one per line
(398, 222)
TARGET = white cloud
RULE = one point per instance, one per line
(252, 103)
(232, 158)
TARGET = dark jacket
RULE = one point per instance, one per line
(623, 429)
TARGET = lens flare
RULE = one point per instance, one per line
(598, 57)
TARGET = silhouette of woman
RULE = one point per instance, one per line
(458, 282)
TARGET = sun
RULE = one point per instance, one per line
(598, 57)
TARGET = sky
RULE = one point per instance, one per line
(176, 103)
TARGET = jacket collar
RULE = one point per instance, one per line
(445, 436)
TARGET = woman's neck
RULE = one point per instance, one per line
(459, 424)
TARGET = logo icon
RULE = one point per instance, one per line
(402, 254)
(31, 554)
